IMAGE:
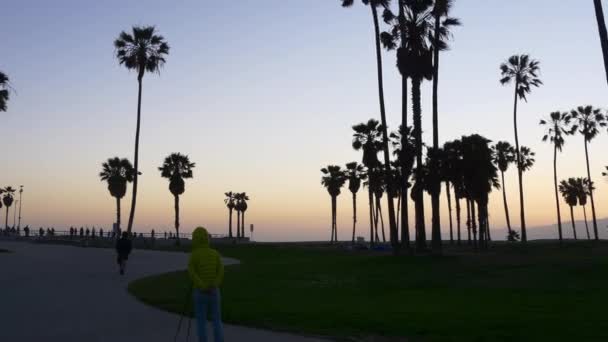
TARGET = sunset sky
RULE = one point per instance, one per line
(261, 95)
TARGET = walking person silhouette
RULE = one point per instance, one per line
(123, 248)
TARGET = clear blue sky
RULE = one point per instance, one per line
(261, 95)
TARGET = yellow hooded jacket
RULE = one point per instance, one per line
(205, 265)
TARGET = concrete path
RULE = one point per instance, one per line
(73, 294)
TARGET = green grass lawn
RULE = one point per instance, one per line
(538, 293)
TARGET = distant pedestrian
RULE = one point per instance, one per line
(101, 233)
(123, 248)
(206, 273)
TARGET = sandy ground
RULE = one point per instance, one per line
(73, 294)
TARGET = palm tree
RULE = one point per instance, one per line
(1, 192)
(557, 127)
(8, 201)
(452, 174)
(333, 179)
(504, 154)
(117, 172)
(601, 25)
(587, 121)
(584, 188)
(176, 168)
(229, 201)
(405, 151)
(480, 176)
(355, 173)
(4, 91)
(374, 5)
(368, 138)
(241, 207)
(568, 190)
(523, 71)
(142, 51)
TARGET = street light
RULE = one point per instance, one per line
(15, 214)
(20, 202)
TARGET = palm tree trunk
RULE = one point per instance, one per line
(524, 236)
(371, 216)
(601, 24)
(6, 218)
(596, 238)
(559, 215)
(504, 198)
(405, 225)
(376, 218)
(572, 220)
(487, 217)
(458, 218)
(447, 189)
(474, 223)
(230, 223)
(333, 219)
(586, 223)
(177, 218)
(238, 224)
(435, 204)
(118, 213)
(419, 202)
(387, 159)
(354, 214)
(381, 220)
(136, 159)
(398, 209)
(468, 221)
(243, 224)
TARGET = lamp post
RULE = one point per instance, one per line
(15, 213)
(20, 202)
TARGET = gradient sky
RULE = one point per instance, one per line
(261, 95)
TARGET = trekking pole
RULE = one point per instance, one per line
(181, 317)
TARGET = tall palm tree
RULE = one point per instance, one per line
(367, 137)
(601, 25)
(8, 201)
(117, 172)
(557, 128)
(374, 5)
(229, 201)
(1, 192)
(241, 207)
(452, 172)
(355, 173)
(333, 180)
(524, 73)
(570, 193)
(142, 51)
(587, 121)
(176, 168)
(584, 188)
(404, 149)
(4, 91)
(504, 154)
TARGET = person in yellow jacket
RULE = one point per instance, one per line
(206, 273)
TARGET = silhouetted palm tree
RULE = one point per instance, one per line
(355, 173)
(452, 174)
(504, 154)
(584, 188)
(570, 193)
(333, 180)
(8, 201)
(4, 91)
(368, 138)
(374, 5)
(142, 51)
(587, 121)
(230, 205)
(480, 176)
(1, 192)
(117, 172)
(522, 71)
(176, 168)
(557, 127)
(601, 25)
(405, 158)
(241, 207)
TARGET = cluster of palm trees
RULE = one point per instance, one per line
(236, 201)
(575, 192)
(119, 172)
(418, 31)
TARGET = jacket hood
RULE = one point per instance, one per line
(200, 238)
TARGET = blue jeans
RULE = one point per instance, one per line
(205, 302)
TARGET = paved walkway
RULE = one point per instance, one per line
(73, 294)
